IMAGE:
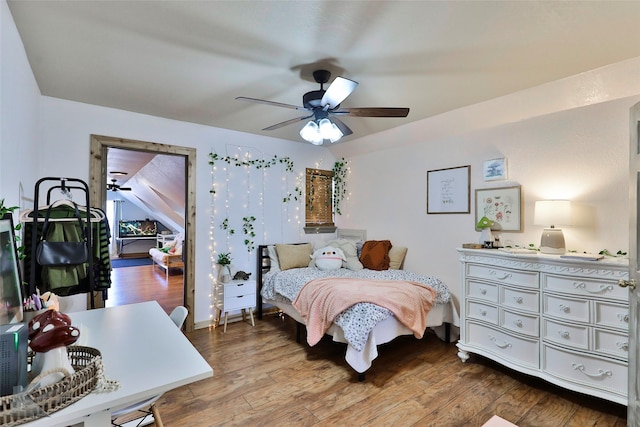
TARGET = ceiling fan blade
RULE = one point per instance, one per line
(373, 112)
(337, 92)
(287, 122)
(124, 188)
(273, 103)
(346, 130)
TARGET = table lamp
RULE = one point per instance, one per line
(550, 213)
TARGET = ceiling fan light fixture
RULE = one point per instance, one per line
(311, 133)
(335, 134)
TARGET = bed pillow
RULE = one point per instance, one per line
(328, 258)
(293, 256)
(375, 254)
(274, 263)
(396, 257)
(350, 251)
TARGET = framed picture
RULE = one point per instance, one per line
(448, 190)
(494, 169)
(502, 205)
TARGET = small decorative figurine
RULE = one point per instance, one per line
(241, 275)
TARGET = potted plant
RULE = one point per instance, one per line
(224, 259)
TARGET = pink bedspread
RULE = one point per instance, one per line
(321, 300)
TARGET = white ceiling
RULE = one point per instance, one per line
(188, 60)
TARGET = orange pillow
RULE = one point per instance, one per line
(375, 254)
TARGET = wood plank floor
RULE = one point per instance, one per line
(263, 377)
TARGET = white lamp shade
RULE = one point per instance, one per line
(552, 212)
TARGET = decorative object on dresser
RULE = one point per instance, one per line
(550, 213)
(560, 319)
(235, 295)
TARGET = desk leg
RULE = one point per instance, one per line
(226, 314)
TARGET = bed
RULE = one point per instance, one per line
(169, 256)
(363, 326)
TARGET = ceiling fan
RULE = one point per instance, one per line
(115, 187)
(322, 108)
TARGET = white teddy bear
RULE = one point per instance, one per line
(328, 258)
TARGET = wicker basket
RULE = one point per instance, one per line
(56, 396)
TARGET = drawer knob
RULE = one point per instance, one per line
(483, 312)
(483, 291)
(518, 323)
(564, 308)
(580, 367)
(500, 345)
(518, 300)
(623, 317)
(563, 334)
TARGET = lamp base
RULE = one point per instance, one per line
(552, 241)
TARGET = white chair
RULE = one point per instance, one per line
(148, 407)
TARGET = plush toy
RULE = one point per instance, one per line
(328, 258)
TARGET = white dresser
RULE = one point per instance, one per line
(562, 320)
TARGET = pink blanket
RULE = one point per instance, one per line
(321, 300)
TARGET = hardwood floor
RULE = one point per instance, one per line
(263, 377)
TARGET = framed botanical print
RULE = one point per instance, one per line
(502, 205)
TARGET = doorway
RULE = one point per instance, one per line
(98, 184)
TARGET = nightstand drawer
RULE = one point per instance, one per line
(234, 289)
(575, 336)
(238, 302)
(503, 275)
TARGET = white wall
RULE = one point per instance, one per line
(573, 148)
(19, 98)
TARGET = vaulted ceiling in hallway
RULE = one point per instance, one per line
(189, 60)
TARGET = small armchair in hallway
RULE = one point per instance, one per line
(148, 407)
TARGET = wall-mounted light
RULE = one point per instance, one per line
(551, 213)
(316, 132)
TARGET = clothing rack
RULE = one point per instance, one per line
(65, 188)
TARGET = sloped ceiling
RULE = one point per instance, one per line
(188, 60)
(157, 183)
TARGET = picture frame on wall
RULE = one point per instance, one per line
(494, 169)
(448, 190)
(503, 205)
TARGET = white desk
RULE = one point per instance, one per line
(142, 349)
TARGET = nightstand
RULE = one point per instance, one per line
(236, 295)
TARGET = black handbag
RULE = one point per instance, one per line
(56, 254)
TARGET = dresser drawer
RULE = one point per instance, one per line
(481, 311)
(234, 289)
(612, 315)
(591, 371)
(503, 275)
(519, 322)
(611, 343)
(238, 302)
(520, 299)
(566, 308)
(518, 350)
(575, 336)
(585, 287)
(482, 290)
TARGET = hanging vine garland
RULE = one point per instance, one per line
(339, 183)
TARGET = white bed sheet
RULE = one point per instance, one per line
(384, 331)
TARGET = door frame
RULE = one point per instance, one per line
(97, 192)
